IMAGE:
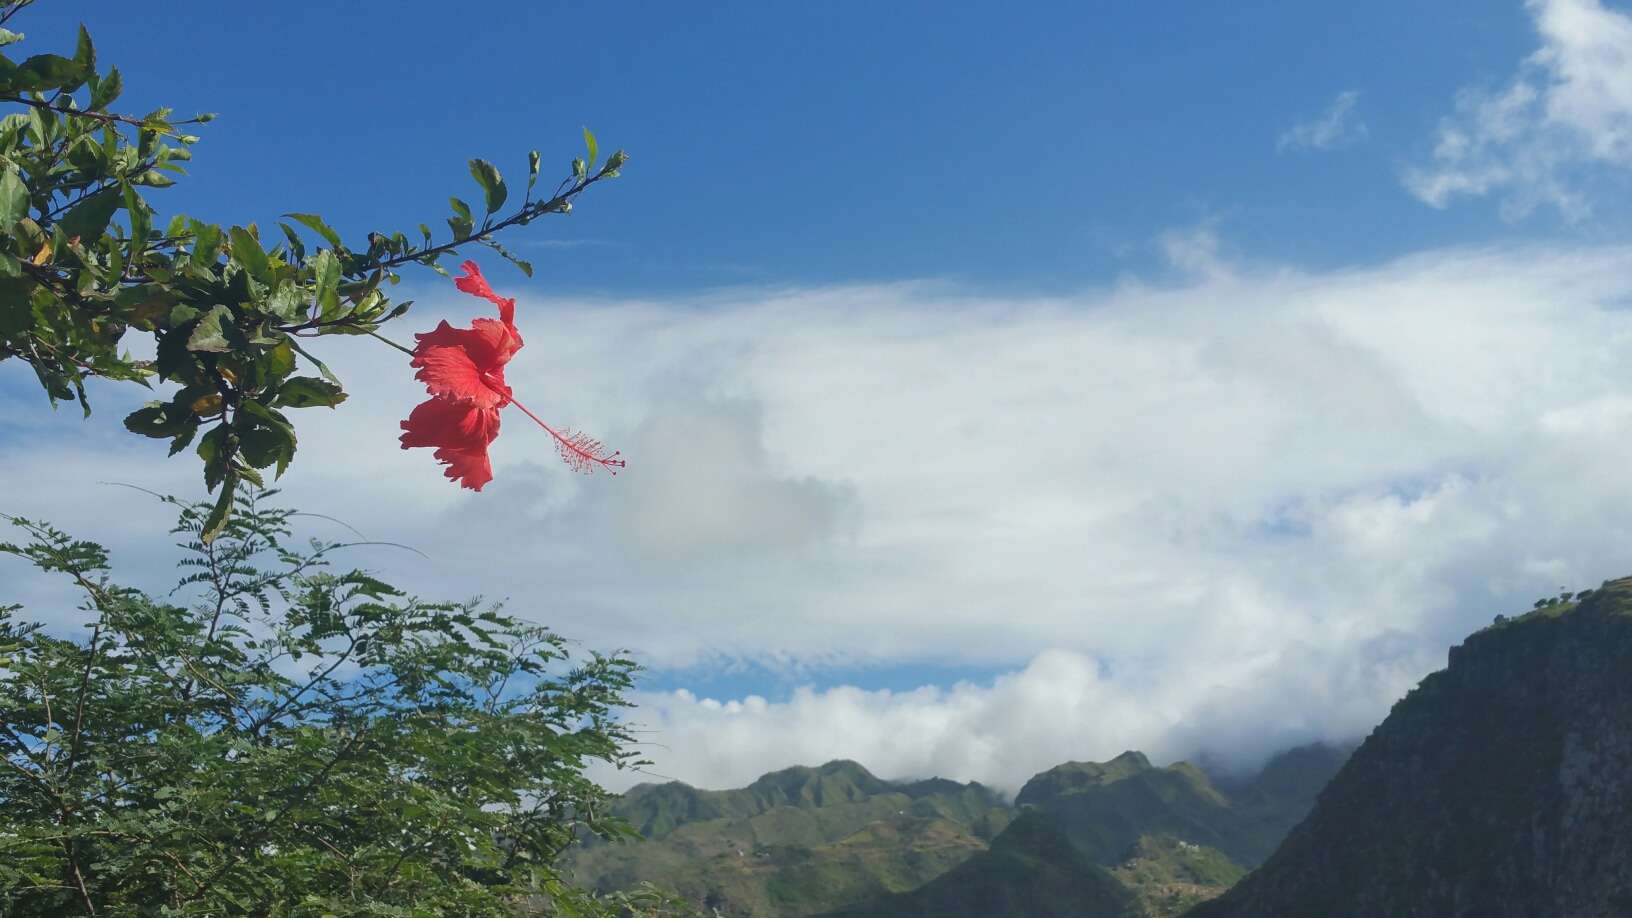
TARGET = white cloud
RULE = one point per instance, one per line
(1237, 511)
(1535, 141)
(1338, 126)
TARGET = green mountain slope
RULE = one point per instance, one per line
(795, 842)
(1167, 838)
(1501, 786)
(1106, 809)
(1031, 871)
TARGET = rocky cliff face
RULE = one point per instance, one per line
(1501, 786)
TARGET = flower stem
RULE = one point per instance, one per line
(395, 345)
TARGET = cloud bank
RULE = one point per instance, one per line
(1231, 513)
(1565, 116)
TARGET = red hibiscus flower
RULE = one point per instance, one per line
(463, 369)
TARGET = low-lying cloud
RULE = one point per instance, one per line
(1232, 513)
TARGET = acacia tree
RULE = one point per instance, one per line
(296, 741)
(86, 260)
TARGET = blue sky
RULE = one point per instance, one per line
(1000, 386)
(1037, 147)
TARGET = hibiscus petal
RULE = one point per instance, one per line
(448, 372)
(475, 284)
(460, 433)
(490, 344)
(470, 468)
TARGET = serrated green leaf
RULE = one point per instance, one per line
(210, 334)
(108, 89)
(266, 445)
(85, 52)
(48, 71)
(461, 209)
(206, 244)
(308, 392)
(594, 148)
(157, 420)
(287, 302)
(247, 251)
(88, 219)
(326, 270)
(141, 220)
(14, 199)
(184, 438)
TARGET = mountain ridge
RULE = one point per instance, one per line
(1501, 786)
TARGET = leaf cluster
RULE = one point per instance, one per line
(297, 740)
(85, 260)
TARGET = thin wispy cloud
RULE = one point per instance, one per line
(1540, 139)
(1338, 126)
(567, 243)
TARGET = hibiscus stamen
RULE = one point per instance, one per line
(581, 451)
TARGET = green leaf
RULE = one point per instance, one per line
(141, 220)
(211, 449)
(222, 511)
(594, 149)
(278, 363)
(316, 225)
(461, 209)
(89, 218)
(8, 37)
(211, 332)
(108, 89)
(157, 420)
(287, 302)
(532, 169)
(85, 52)
(183, 438)
(327, 277)
(247, 251)
(268, 440)
(14, 200)
(48, 71)
(206, 244)
(487, 175)
(308, 392)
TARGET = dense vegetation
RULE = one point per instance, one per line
(288, 737)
